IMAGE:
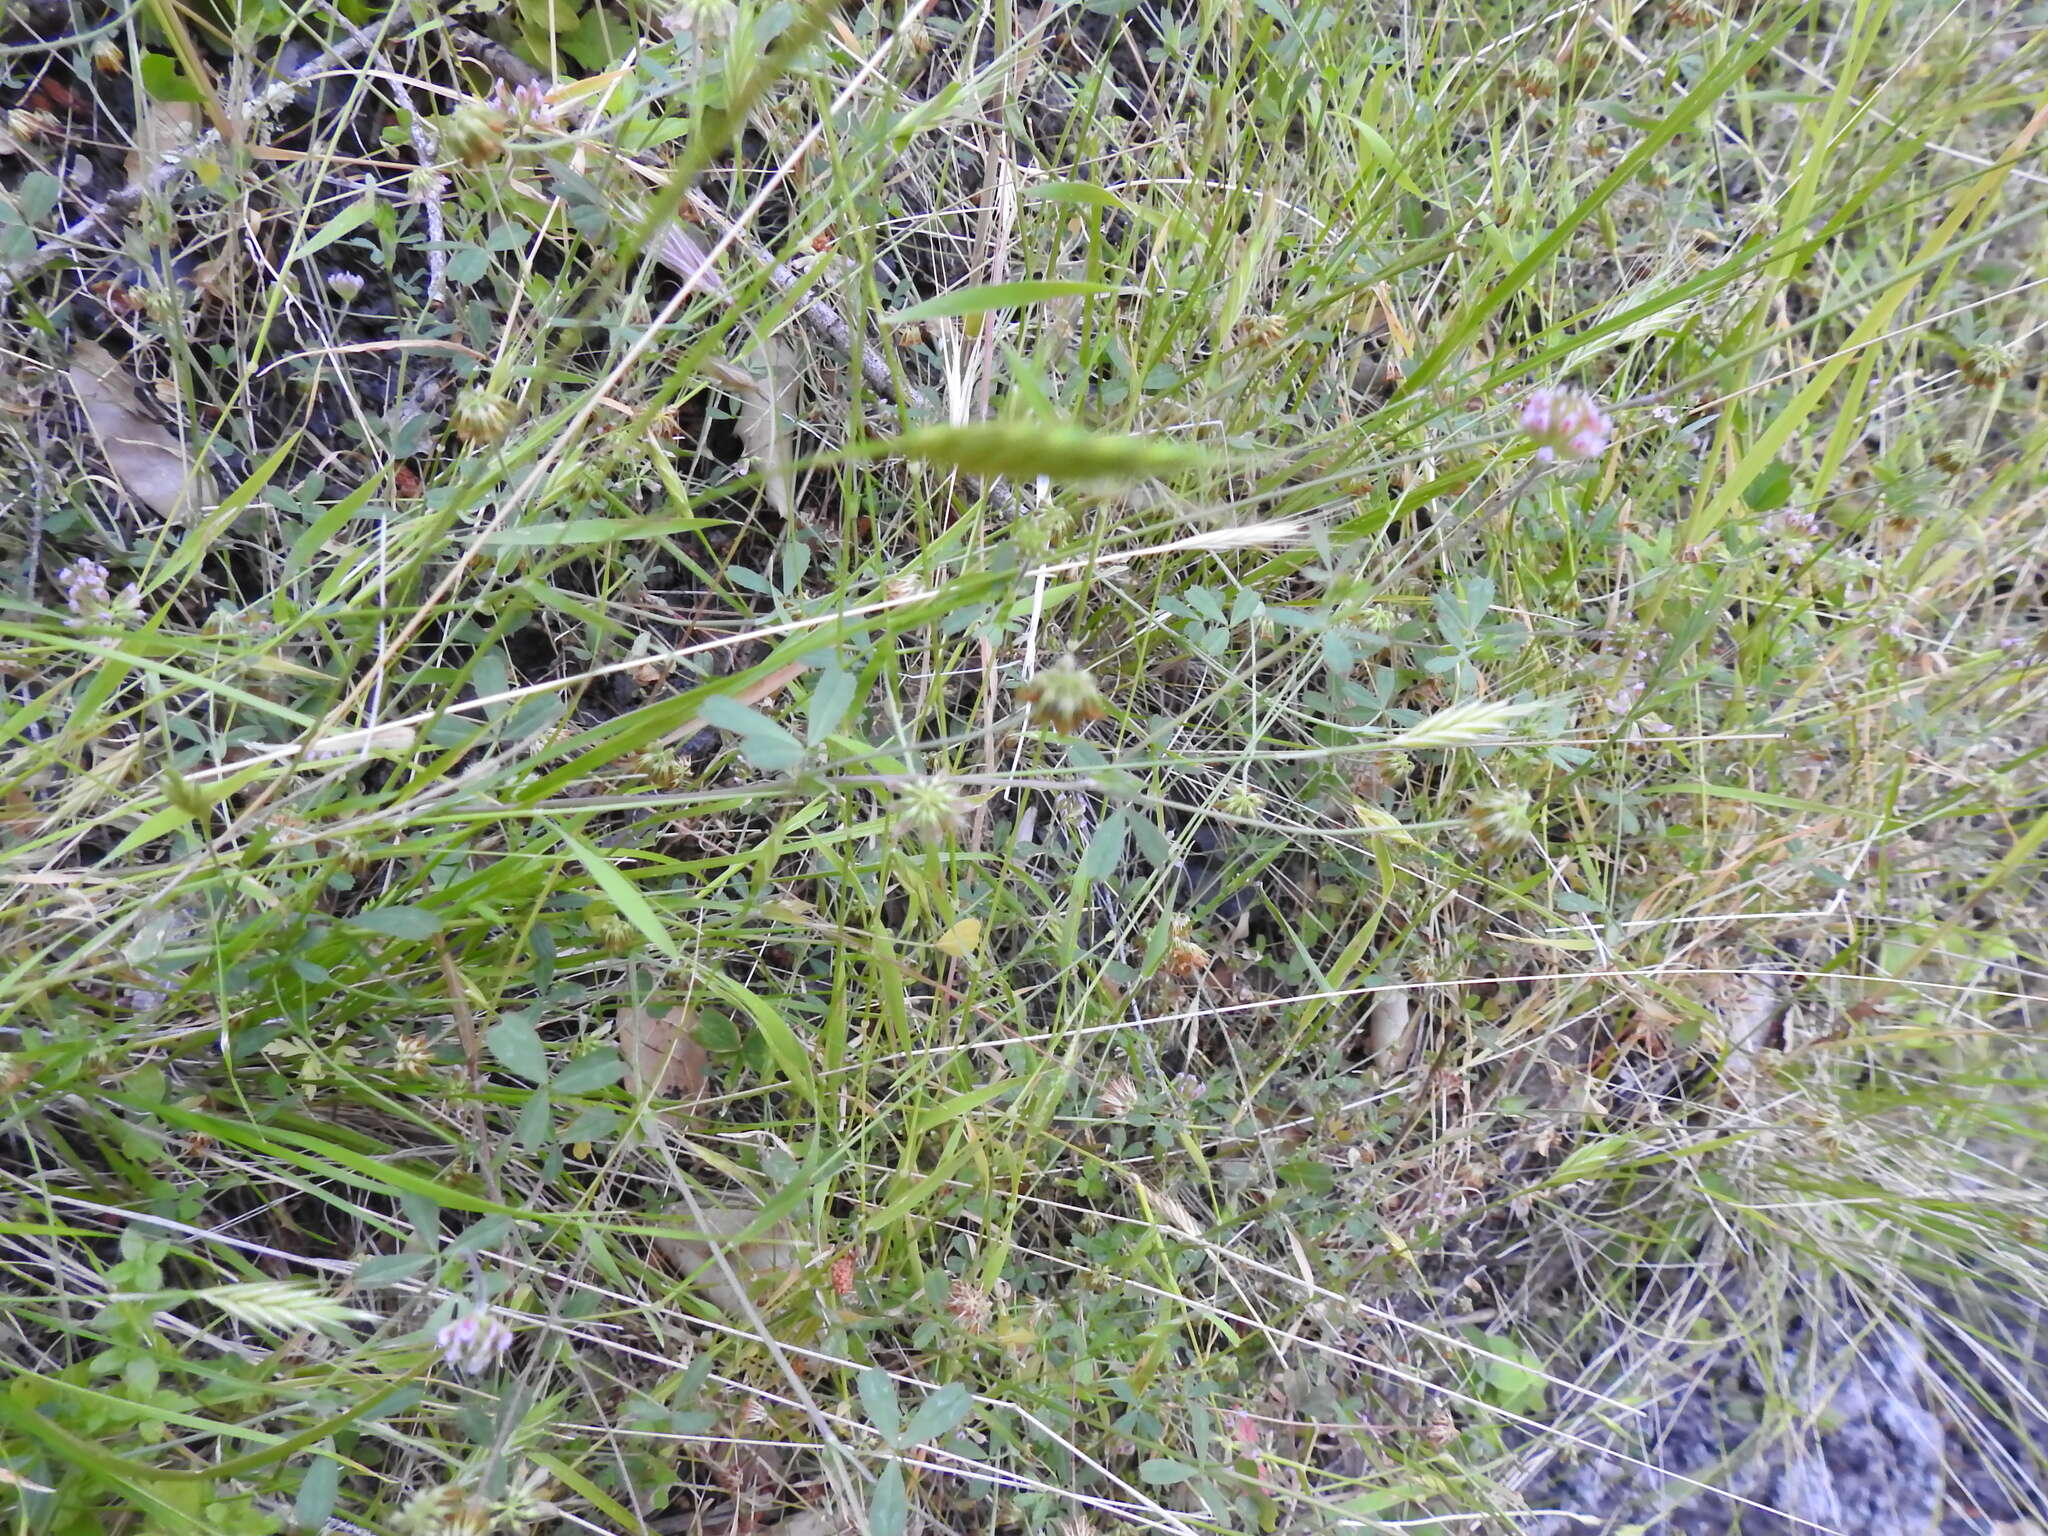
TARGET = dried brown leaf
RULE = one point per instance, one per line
(771, 1254)
(767, 417)
(150, 463)
(163, 129)
(663, 1058)
(1389, 1029)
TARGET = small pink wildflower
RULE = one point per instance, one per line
(1244, 1430)
(474, 1342)
(87, 595)
(528, 105)
(1565, 424)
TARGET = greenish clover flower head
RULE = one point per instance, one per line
(474, 133)
(482, 416)
(930, 810)
(1500, 820)
(1064, 696)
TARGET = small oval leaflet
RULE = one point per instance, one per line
(1024, 450)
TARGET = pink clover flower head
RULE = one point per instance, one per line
(87, 595)
(1565, 424)
(474, 1342)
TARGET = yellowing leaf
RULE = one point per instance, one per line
(961, 940)
(597, 91)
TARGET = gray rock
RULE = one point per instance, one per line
(1915, 1425)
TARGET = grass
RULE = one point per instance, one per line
(564, 824)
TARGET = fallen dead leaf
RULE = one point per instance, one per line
(811, 1522)
(767, 416)
(376, 738)
(663, 1059)
(163, 129)
(1389, 1030)
(219, 278)
(151, 464)
(772, 1253)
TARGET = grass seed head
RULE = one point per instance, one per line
(1381, 823)
(1474, 722)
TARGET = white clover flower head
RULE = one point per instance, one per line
(1797, 532)
(474, 1342)
(702, 21)
(84, 585)
(1118, 1097)
(482, 415)
(972, 1307)
(87, 595)
(904, 587)
(1565, 424)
